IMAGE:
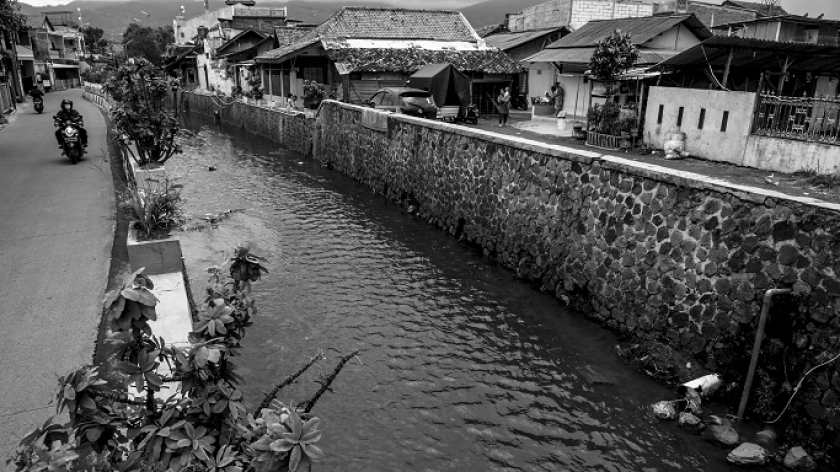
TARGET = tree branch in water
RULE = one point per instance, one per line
(325, 385)
(266, 403)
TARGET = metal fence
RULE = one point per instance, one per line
(804, 119)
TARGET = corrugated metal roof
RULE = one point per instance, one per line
(641, 30)
(758, 55)
(282, 53)
(505, 41)
(582, 56)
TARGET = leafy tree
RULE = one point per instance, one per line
(10, 17)
(93, 38)
(613, 56)
(147, 42)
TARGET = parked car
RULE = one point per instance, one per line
(405, 100)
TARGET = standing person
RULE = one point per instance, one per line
(559, 96)
(503, 104)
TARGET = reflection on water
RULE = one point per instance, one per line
(462, 367)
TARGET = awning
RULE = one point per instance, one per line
(758, 55)
(64, 66)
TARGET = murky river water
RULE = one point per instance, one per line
(463, 368)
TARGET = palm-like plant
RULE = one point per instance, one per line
(132, 304)
(215, 319)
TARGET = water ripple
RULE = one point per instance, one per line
(463, 367)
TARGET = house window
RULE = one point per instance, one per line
(725, 122)
(661, 112)
(702, 118)
(680, 116)
(314, 73)
(539, 71)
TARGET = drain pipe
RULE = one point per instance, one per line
(759, 336)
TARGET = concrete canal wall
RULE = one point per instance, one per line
(287, 128)
(674, 256)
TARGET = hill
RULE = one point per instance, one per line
(492, 12)
(114, 17)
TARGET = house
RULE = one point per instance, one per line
(50, 47)
(576, 13)
(785, 28)
(712, 14)
(762, 9)
(566, 61)
(771, 105)
(522, 44)
(360, 50)
(241, 28)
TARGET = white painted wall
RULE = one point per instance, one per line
(709, 143)
(788, 155)
(573, 86)
(540, 78)
(679, 38)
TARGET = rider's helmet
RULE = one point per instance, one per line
(66, 101)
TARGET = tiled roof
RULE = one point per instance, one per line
(289, 34)
(715, 15)
(489, 61)
(396, 23)
(641, 30)
(757, 7)
(485, 31)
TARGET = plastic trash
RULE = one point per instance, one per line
(705, 386)
(664, 411)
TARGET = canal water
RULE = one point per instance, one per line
(462, 367)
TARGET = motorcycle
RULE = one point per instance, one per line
(38, 103)
(72, 141)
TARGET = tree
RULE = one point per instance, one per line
(147, 42)
(10, 17)
(93, 38)
(613, 56)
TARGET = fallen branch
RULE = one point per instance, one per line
(266, 403)
(799, 385)
(325, 385)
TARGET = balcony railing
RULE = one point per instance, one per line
(804, 119)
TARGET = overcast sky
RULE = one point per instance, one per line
(831, 8)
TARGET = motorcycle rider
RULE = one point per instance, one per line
(67, 113)
(36, 93)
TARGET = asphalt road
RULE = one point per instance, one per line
(57, 224)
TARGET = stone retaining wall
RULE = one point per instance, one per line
(290, 129)
(642, 249)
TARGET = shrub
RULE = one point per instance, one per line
(144, 114)
(206, 425)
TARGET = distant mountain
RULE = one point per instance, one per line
(492, 12)
(114, 17)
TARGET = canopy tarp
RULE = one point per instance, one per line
(447, 85)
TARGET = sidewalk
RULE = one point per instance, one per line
(56, 233)
(520, 124)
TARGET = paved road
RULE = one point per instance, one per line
(57, 225)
